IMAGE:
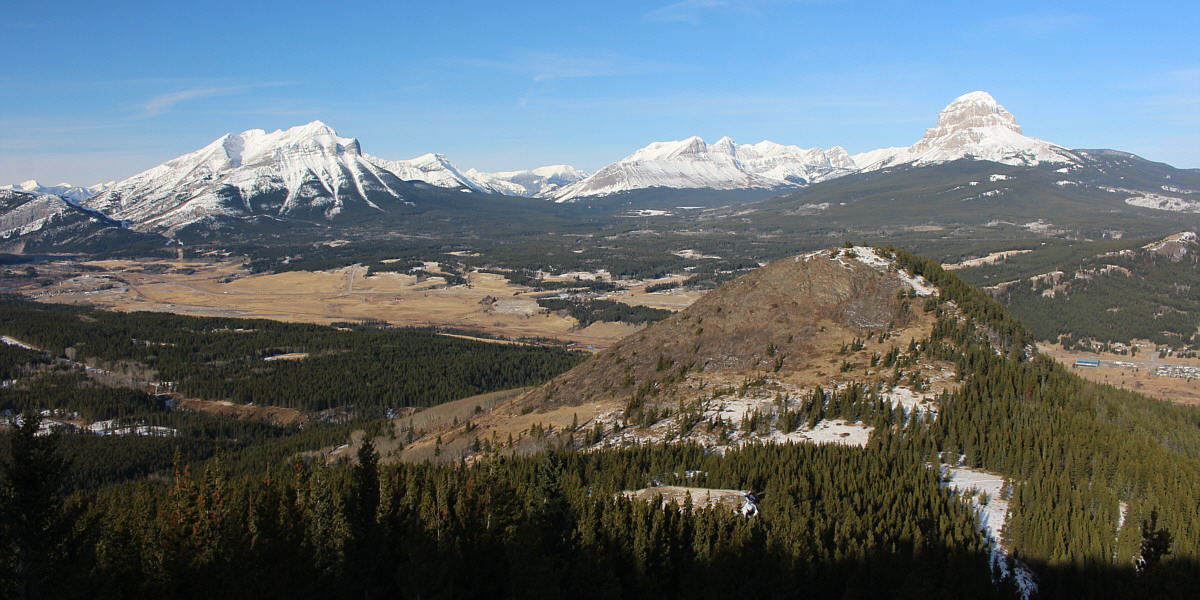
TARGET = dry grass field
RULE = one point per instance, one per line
(224, 288)
(1136, 375)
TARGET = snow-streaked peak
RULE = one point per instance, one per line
(432, 168)
(306, 170)
(534, 183)
(33, 213)
(68, 192)
(724, 165)
(973, 126)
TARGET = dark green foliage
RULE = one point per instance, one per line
(217, 358)
(34, 529)
(590, 311)
(1146, 296)
(833, 522)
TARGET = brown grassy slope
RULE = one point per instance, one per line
(783, 313)
(781, 327)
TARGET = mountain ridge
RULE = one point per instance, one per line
(310, 173)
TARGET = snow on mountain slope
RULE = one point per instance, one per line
(973, 126)
(536, 183)
(725, 165)
(309, 171)
(66, 191)
(434, 169)
(27, 213)
(45, 221)
(304, 171)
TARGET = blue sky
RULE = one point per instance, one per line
(93, 91)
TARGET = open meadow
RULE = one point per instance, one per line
(488, 303)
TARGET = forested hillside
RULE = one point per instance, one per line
(1115, 296)
(368, 370)
(1102, 488)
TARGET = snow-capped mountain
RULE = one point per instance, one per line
(306, 171)
(48, 223)
(66, 191)
(973, 126)
(434, 169)
(541, 182)
(27, 213)
(725, 165)
(309, 171)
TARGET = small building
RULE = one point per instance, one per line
(1087, 362)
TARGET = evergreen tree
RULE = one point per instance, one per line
(33, 526)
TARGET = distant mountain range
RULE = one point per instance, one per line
(66, 191)
(309, 173)
(46, 223)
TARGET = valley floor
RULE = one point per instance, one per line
(1139, 373)
(225, 289)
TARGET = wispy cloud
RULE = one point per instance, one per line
(547, 66)
(1042, 22)
(164, 103)
(685, 11)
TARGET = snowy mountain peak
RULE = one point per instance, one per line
(724, 165)
(68, 192)
(560, 173)
(432, 168)
(973, 126)
(307, 170)
(541, 182)
(977, 110)
(725, 145)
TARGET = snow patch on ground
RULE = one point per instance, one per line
(13, 342)
(984, 491)
(911, 401)
(693, 254)
(837, 431)
(1169, 203)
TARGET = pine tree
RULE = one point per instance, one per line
(33, 527)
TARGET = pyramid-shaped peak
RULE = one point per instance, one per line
(317, 126)
(725, 145)
(693, 145)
